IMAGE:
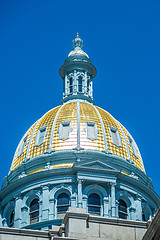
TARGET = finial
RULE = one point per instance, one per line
(77, 42)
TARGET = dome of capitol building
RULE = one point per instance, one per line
(76, 155)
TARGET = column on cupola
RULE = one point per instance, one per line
(105, 207)
(17, 213)
(85, 82)
(79, 197)
(51, 208)
(113, 199)
(45, 202)
(66, 85)
(138, 204)
(75, 83)
(91, 89)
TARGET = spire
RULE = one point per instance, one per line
(77, 73)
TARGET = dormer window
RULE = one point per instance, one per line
(80, 79)
(40, 138)
(64, 130)
(132, 144)
(116, 139)
(71, 85)
(91, 129)
(21, 148)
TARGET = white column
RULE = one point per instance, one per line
(85, 83)
(85, 198)
(105, 207)
(113, 200)
(73, 200)
(25, 216)
(75, 84)
(66, 85)
(51, 209)
(79, 193)
(17, 213)
(138, 213)
(91, 89)
(45, 203)
(132, 211)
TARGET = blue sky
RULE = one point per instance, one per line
(122, 39)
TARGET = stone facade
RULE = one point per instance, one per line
(79, 225)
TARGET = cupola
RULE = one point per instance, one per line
(77, 73)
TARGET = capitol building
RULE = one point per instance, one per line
(77, 173)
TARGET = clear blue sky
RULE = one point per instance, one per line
(122, 38)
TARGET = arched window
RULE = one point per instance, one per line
(11, 219)
(94, 204)
(122, 209)
(62, 203)
(34, 211)
(80, 84)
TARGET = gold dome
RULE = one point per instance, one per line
(77, 113)
(78, 51)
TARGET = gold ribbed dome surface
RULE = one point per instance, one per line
(78, 51)
(78, 113)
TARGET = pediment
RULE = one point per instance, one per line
(96, 165)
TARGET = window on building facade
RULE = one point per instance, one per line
(11, 220)
(21, 148)
(143, 216)
(91, 129)
(134, 150)
(71, 85)
(40, 138)
(122, 209)
(64, 130)
(34, 211)
(94, 204)
(63, 202)
(116, 139)
(80, 79)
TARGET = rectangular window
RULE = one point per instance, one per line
(71, 85)
(116, 139)
(132, 144)
(92, 132)
(40, 138)
(79, 84)
(64, 130)
(21, 148)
